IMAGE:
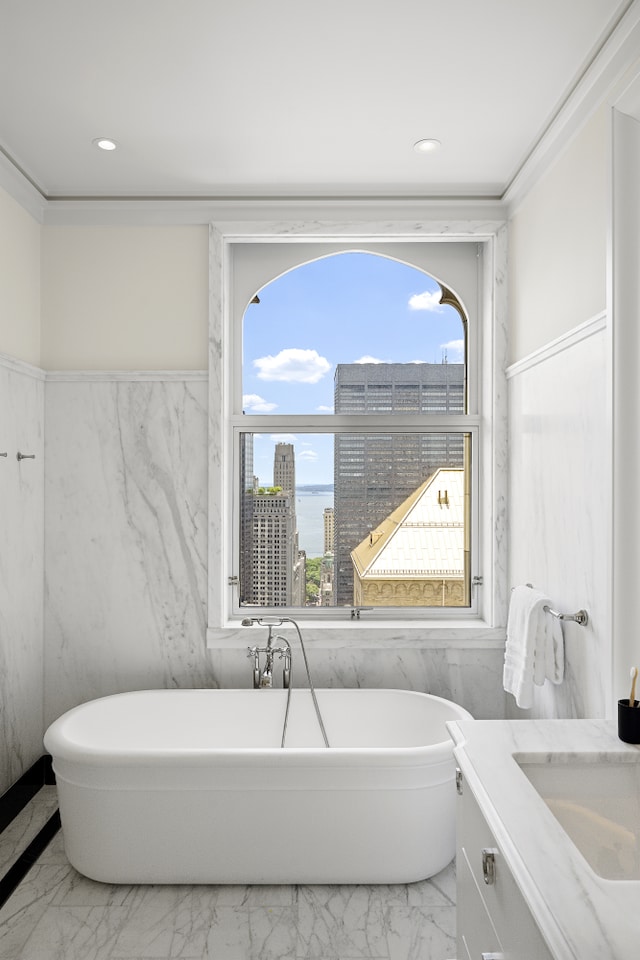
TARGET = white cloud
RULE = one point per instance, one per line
(309, 455)
(455, 350)
(283, 438)
(256, 404)
(429, 300)
(293, 365)
(324, 409)
(367, 359)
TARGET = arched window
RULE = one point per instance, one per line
(467, 260)
(353, 432)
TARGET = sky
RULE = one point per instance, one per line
(345, 308)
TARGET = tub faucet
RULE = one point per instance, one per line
(286, 653)
(263, 677)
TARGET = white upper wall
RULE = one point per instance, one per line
(558, 244)
(125, 298)
(19, 281)
(136, 297)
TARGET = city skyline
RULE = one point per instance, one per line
(345, 308)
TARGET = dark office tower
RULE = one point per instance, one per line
(375, 473)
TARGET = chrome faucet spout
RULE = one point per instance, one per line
(266, 677)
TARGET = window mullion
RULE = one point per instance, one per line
(365, 423)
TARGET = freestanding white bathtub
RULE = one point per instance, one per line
(192, 786)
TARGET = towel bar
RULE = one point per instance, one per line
(581, 617)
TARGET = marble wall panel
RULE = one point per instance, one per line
(126, 536)
(560, 508)
(21, 569)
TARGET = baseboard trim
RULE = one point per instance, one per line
(15, 799)
(12, 802)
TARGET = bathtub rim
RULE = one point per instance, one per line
(62, 748)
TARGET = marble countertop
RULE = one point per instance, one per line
(579, 913)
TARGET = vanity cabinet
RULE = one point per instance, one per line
(494, 922)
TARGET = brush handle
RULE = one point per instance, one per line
(632, 695)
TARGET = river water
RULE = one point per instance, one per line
(309, 514)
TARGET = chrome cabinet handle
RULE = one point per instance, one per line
(459, 781)
(492, 956)
(489, 865)
(25, 456)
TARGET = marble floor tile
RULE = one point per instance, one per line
(168, 922)
(54, 851)
(47, 794)
(74, 933)
(345, 920)
(79, 891)
(416, 933)
(258, 895)
(24, 908)
(229, 936)
(438, 891)
(272, 932)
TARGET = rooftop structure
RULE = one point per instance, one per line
(417, 555)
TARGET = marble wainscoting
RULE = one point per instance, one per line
(559, 507)
(126, 535)
(21, 567)
(126, 568)
(468, 672)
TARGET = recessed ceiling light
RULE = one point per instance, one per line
(426, 146)
(104, 143)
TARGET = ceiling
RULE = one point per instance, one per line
(287, 98)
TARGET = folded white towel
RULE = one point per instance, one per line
(534, 649)
(551, 667)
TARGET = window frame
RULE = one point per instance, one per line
(357, 424)
(486, 419)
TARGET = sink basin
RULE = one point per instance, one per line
(597, 803)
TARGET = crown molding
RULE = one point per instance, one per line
(189, 212)
(23, 191)
(601, 82)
